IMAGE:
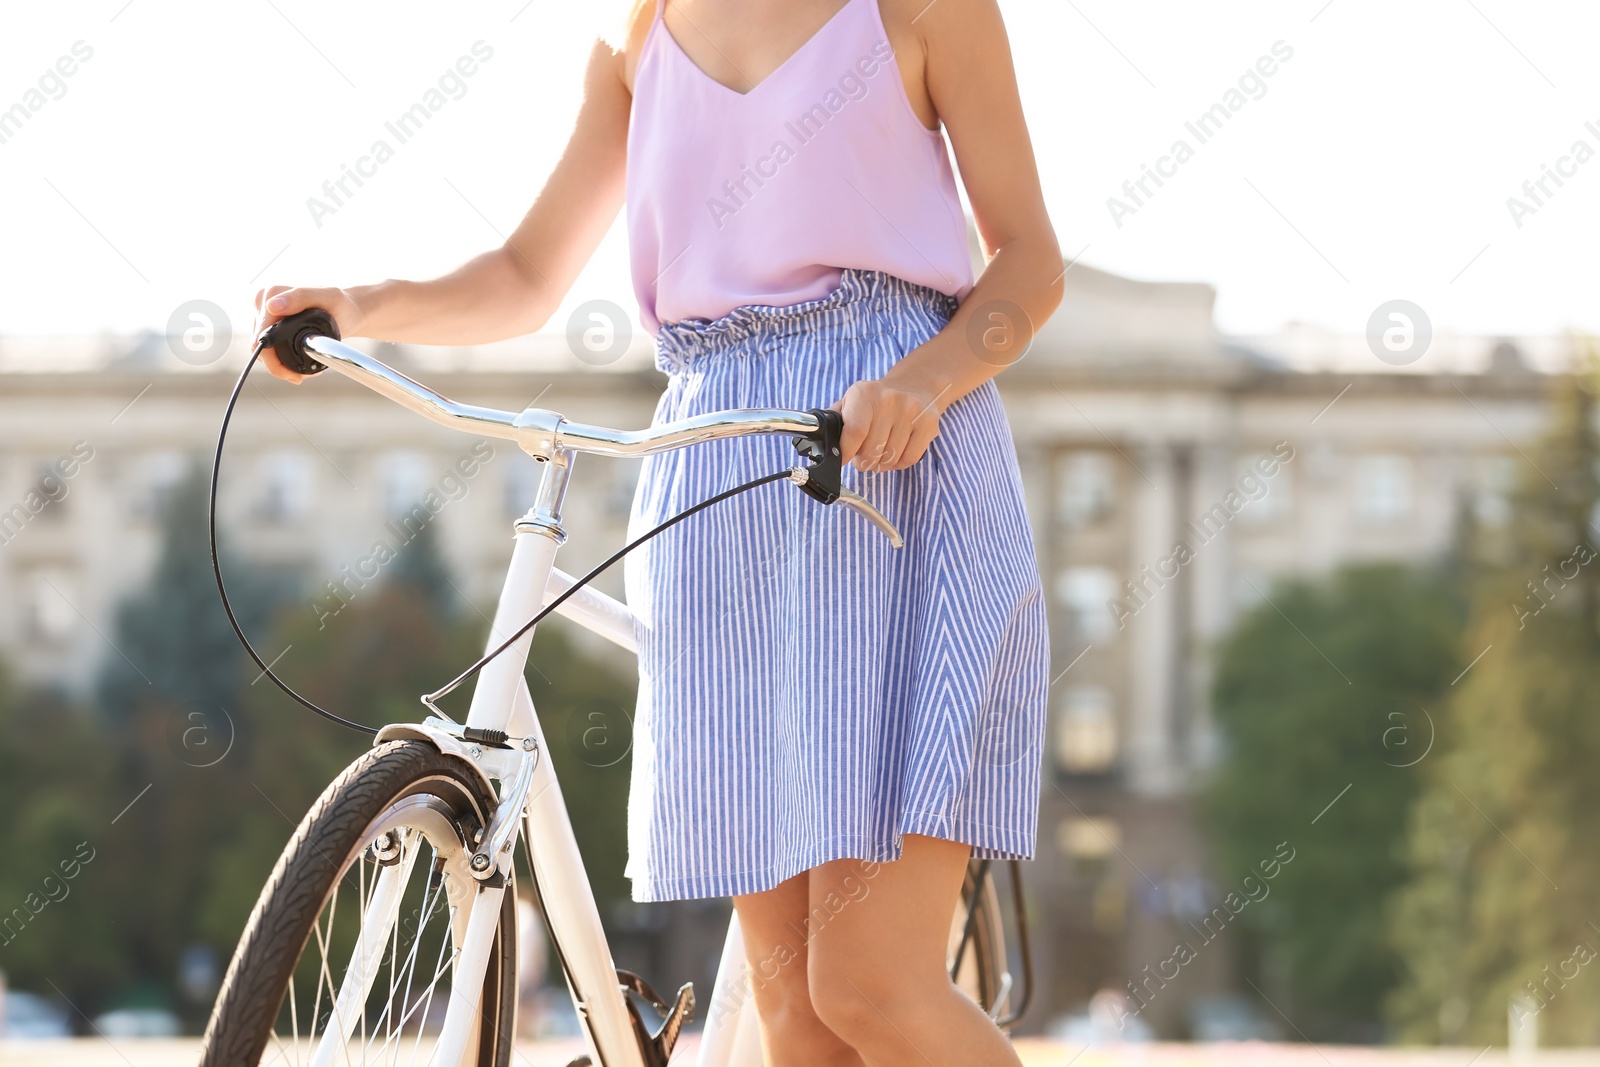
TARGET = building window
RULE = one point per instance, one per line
(1383, 488)
(624, 487)
(1085, 837)
(160, 474)
(1086, 486)
(1267, 496)
(288, 486)
(1496, 481)
(1085, 594)
(1250, 588)
(522, 476)
(53, 489)
(1086, 731)
(48, 609)
(404, 477)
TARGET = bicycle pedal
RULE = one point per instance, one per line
(632, 983)
(674, 1016)
(682, 1012)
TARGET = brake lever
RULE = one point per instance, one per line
(824, 474)
(854, 500)
(822, 478)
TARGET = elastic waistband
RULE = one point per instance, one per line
(864, 303)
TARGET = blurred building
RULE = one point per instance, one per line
(1139, 428)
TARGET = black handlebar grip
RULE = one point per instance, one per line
(287, 337)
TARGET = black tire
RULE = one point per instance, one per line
(981, 971)
(325, 849)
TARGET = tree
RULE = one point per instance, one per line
(370, 662)
(419, 565)
(1326, 698)
(585, 708)
(166, 704)
(174, 641)
(55, 925)
(1499, 910)
(205, 767)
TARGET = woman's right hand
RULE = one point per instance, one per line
(280, 301)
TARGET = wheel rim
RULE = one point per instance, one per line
(378, 962)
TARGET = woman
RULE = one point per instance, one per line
(827, 729)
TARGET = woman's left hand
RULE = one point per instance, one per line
(887, 425)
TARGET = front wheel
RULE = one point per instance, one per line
(349, 954)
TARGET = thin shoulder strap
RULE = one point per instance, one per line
(657, 22)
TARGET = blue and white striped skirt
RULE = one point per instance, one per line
(806, 691)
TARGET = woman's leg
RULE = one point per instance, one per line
(877, 964)
(773, 925)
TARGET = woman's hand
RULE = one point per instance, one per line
(888, 424)
(280, 301)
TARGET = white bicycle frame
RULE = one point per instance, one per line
(524, 768)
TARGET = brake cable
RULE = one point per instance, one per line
(216, 566)
(824, 459)
(448, 687)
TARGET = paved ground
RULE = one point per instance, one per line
(128, 1053)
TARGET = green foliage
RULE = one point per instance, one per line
(167, 715)
(54, 790)
(419, 565)
(220, 765)
(1509, 809)
(1331, 688)
(585, 707)
(174, 642)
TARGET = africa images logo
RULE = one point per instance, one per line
(451, 85)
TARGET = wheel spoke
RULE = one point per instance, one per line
(438, 969)
(322, 971)
(294, 1024)
(393, 1025)
(432, 984)
(414, 1002)
(430, 905)
(322, 961)
(282, 1051)
(394, 955)
(366, 906)
(380, 922)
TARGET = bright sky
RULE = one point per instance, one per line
(176, 161)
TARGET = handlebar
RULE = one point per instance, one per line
(542, 433)
(302, 342)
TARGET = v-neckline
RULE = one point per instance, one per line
(774, 72)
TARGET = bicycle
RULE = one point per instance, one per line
(417, 836)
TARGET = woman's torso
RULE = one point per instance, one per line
(763, 196)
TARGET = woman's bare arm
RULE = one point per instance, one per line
(970, 79)
(512, 289)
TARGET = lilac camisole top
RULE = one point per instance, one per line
(764, 197)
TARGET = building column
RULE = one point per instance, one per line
(1211, 599)
(1151, 765)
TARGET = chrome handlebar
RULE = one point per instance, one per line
(543, 434)
(410, 393)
